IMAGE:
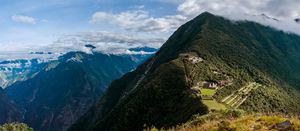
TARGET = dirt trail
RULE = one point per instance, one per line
(142, 77)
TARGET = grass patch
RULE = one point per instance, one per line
(213, 104)
(237, 120)
(208, 92)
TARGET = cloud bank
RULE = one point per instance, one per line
(281, 9)
(106, 42)
(153, 30)
(139, 21)
(261, 11)
(142, 21)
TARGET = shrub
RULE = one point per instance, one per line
(15, 127)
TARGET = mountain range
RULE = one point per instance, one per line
(18, 70)
(210, 64)
(246, 65)
(66, 88)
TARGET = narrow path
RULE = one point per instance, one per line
(236, 102)
(148, 68)
(227, 97)
(240, 103)
(232, 99)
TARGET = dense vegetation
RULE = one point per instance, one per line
(209, 49)
(161, 96)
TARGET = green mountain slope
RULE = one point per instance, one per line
(9, 112)
(65, 89)
(243, 65)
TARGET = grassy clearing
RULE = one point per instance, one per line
(214, 105)
(237, 120)
(208, 92)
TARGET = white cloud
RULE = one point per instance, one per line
(106, 42)
(283, 10)
(139, 21)
(24, 19)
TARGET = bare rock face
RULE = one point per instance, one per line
(283, 126)
(2, 82)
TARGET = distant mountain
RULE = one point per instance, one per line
(8, 111)
(144, 49)
(209, 63)
(65, 89)
(41, 52)
(140, 54)
(18, 70)
(3, 81)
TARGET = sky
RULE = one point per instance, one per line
(66, 25)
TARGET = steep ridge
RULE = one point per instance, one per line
(206, 52)
(8, 111)
(65, 89)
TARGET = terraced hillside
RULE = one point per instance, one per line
(237, 98)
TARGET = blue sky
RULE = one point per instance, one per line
(43, 21)
(61, 25)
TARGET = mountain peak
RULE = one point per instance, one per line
(206, 52)
(206, 13)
